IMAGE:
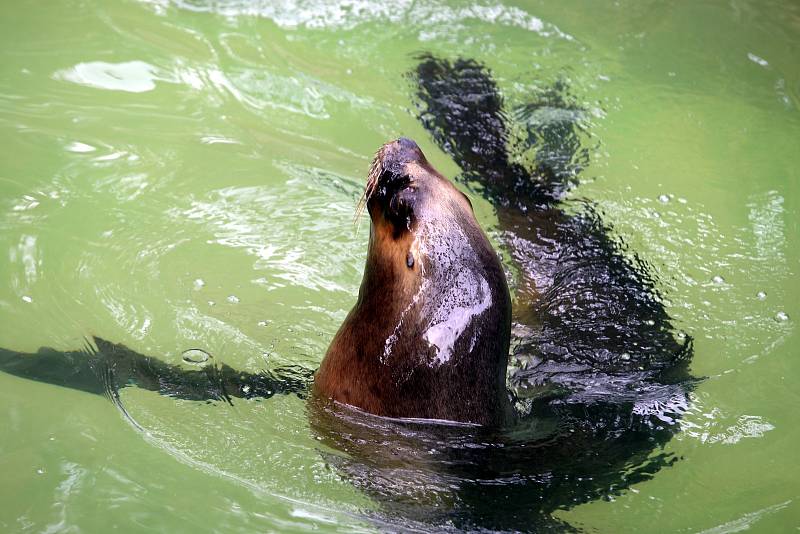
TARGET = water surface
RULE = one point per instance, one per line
(181, 175)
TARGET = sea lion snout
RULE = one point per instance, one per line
(395, 155)
(391, 189)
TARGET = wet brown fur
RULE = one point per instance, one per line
(348, 372)
(353, 372)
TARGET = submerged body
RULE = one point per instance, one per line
(429, 334)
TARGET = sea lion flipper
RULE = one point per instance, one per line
(103, 367)
(463, 111)
(462, 108)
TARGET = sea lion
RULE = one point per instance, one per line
(601, 375)
(429, 334)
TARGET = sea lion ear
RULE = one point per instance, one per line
(469, 202)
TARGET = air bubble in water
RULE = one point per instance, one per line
(761, 295)
(781, 316)
(233, 299)
(263, 323)
(663, 199)
(195, 356)
(718, 280)
(199, 283)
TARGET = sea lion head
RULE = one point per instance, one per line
(409, 202)
(429, 335)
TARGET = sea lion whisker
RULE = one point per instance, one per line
(374, 174)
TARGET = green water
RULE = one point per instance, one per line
(179, 175)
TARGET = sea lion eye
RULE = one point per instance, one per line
(410, 260)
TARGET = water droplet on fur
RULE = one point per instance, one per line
(625, 356)
(195, 356)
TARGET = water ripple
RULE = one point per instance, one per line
(348, 14)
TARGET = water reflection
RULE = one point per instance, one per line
(131, 76)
